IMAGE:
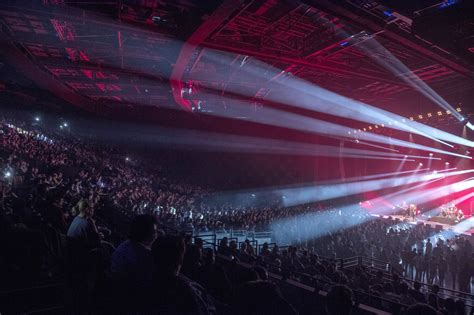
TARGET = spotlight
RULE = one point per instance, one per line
(61, 126)
(37, 118)
(447, 163)
(8, 174)
(421, 164)
(431, 154)
(470, 126)
(127, 159)
(406, 156)
(65, 124)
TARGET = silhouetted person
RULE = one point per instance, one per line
(416, 293)
(214, 277)
(260, 297)
(339, 300)
(132, 262)
(173, 292)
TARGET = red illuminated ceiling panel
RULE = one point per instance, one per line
(38, 50)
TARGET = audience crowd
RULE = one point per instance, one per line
(64, 196)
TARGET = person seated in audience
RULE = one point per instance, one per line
(260, 297)
(339, 300)
(192, 261)
(83, 228)
(223, 247)
(174, 293)
(461, 307)
(213, 277)
(449, 307)
(132, 261)
(433, 300)
(416, 293)
(405, 297)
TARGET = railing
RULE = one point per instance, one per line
(386, 268)
(238, 233)
(208, 239)
(317, 285)
(259, 235)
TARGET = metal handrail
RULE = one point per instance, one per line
(445, 291)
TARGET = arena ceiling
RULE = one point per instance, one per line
(107, 56)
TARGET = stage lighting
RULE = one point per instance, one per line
(431, 154)
(8, 174)
(37, 119)
(470, 126)
(61, 126)
(65, 124)
(458, 109)
(421, 164)
(440, 113)
(447, 163)
(127, 159)
(406, 156)
(435, 172)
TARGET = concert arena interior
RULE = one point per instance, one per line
(237, 157)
